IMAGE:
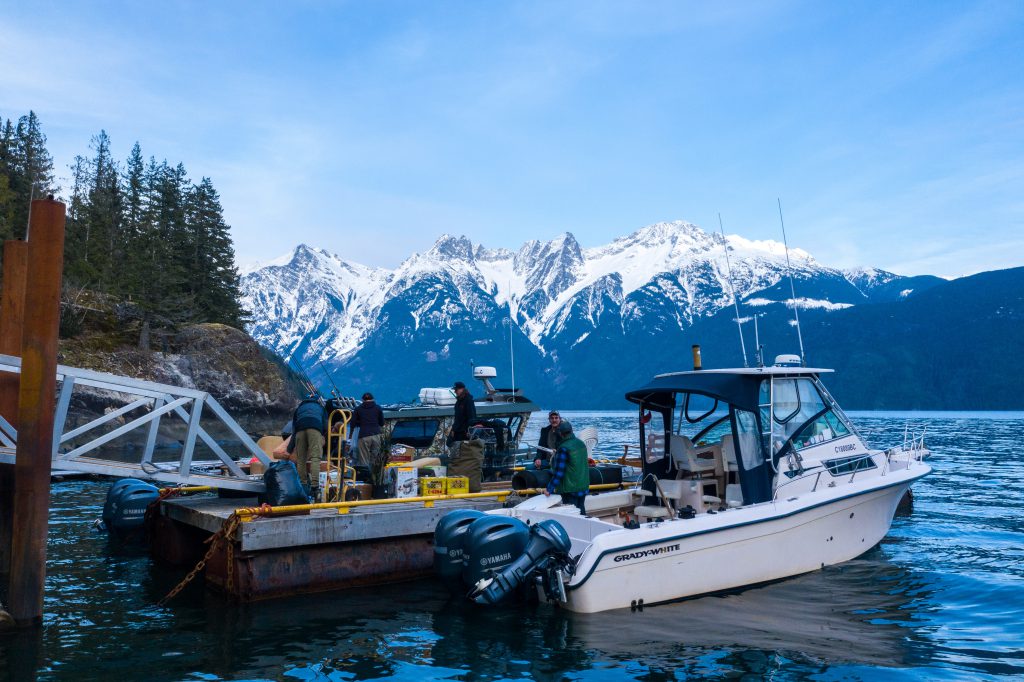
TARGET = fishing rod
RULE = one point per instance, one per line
(732, 289)
(335, 390)
(303, 379)
(792, 290)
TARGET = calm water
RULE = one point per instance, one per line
(942, 597)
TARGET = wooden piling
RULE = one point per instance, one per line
(12, 310)
(36, 398)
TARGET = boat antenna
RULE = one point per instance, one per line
(792, 289)
(759, 353)
(732, 289)
(511, 351)
(334, 386)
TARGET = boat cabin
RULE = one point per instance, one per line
(737, 435)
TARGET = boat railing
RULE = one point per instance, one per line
(249, 513)
(817, 471)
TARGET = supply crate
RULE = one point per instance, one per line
(432, 485)
(457, 485)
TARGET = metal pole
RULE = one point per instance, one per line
(12, 312)
(36, 398)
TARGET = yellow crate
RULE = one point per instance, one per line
(431, 485)
(457, 485)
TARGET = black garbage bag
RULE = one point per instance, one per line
(283, 484)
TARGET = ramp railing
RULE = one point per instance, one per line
(88, 448)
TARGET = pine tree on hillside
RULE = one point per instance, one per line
(8, 195)
(33, 169)
(214, 282)
(77, 270)
(104, 215)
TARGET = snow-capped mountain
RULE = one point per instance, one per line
(561, 303)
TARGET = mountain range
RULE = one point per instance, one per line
(587, 324)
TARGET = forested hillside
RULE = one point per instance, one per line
(140, 231)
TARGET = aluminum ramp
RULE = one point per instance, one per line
(90, 448)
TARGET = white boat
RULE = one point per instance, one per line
(750, 475)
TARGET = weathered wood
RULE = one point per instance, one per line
(36, 402)
(321, 526)
(12, 309)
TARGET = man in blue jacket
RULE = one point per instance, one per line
(369, 418)
(309, 429)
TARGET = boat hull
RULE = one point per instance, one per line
(670, 561)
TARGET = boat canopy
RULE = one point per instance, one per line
(738, 387)
(732, 389)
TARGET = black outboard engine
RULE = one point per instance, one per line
(449, 542)
(113, 492)
(125, 512)
(546, 556)
(492, 543)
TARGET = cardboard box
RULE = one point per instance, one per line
(256, 467)
(402, 453)
(457, 485)
(432, 485)
(403, 481)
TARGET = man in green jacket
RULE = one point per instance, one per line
(570, 473)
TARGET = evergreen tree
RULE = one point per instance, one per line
(32, 176)
(214, 280)
(103, 215)
(8, 194)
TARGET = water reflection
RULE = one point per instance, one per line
(940, 597)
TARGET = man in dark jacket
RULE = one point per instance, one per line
(548, 439)
(309, 429)
(465, 413)
(570, 475)
(369, 418)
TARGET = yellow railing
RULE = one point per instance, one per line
(249, 513)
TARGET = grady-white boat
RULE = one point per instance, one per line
(750, 475)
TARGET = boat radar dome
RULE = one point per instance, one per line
(484, 373)
(787, 360)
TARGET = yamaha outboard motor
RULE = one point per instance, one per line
(492, 543)
(113, 492)
(128, 509)
(546, 557)
(449, 542)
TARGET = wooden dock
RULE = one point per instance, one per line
(321, 551)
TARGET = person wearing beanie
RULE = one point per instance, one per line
(570, 476)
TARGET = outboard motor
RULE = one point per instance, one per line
(113, 492)
(449, 542)
(545, 556)
(128, 508)
(492, 543)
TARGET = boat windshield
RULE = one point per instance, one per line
(787, 404)
(828, 426)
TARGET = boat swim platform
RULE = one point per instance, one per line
(277, 556)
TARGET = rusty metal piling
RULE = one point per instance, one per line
(12, 312)
(36, 398)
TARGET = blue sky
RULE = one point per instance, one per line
(892, 132)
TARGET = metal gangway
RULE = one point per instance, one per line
(90, 448)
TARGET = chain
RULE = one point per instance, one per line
(225, 533)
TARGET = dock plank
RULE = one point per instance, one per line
(324, 526)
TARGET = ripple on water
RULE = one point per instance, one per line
(939, 598)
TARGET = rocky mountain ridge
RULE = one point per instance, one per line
(620, 310)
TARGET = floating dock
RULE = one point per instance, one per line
(324, 549)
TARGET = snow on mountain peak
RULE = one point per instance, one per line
(314, 303)
(453, 247)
